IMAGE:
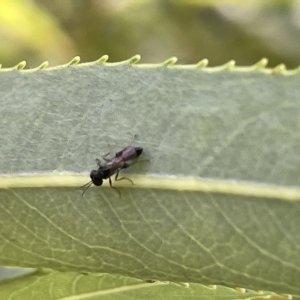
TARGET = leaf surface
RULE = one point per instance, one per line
(230, 127)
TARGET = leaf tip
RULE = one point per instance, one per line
(227, 66)
(134, 59)
(43, 65)
(279, 69)
(102, 60)
(202, 63)
(74, 61)
(21, 65)
(170, 61)
(261, 64)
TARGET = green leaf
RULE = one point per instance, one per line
(57, 285)
(218, 203)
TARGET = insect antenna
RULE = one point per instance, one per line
(85, 187)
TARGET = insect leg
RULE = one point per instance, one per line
(105, 155)
(110, 184)
(134, 137)
(126, 165)
(143, 160)
(122, 178)
(98, 161)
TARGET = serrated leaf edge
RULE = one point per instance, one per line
(260, 66)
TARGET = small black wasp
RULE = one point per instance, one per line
(122, 160)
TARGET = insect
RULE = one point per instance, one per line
(122, 160)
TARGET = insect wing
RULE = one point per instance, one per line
(131, 153)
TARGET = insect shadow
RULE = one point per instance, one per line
(122, 160)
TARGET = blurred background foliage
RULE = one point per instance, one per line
(246, 31)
